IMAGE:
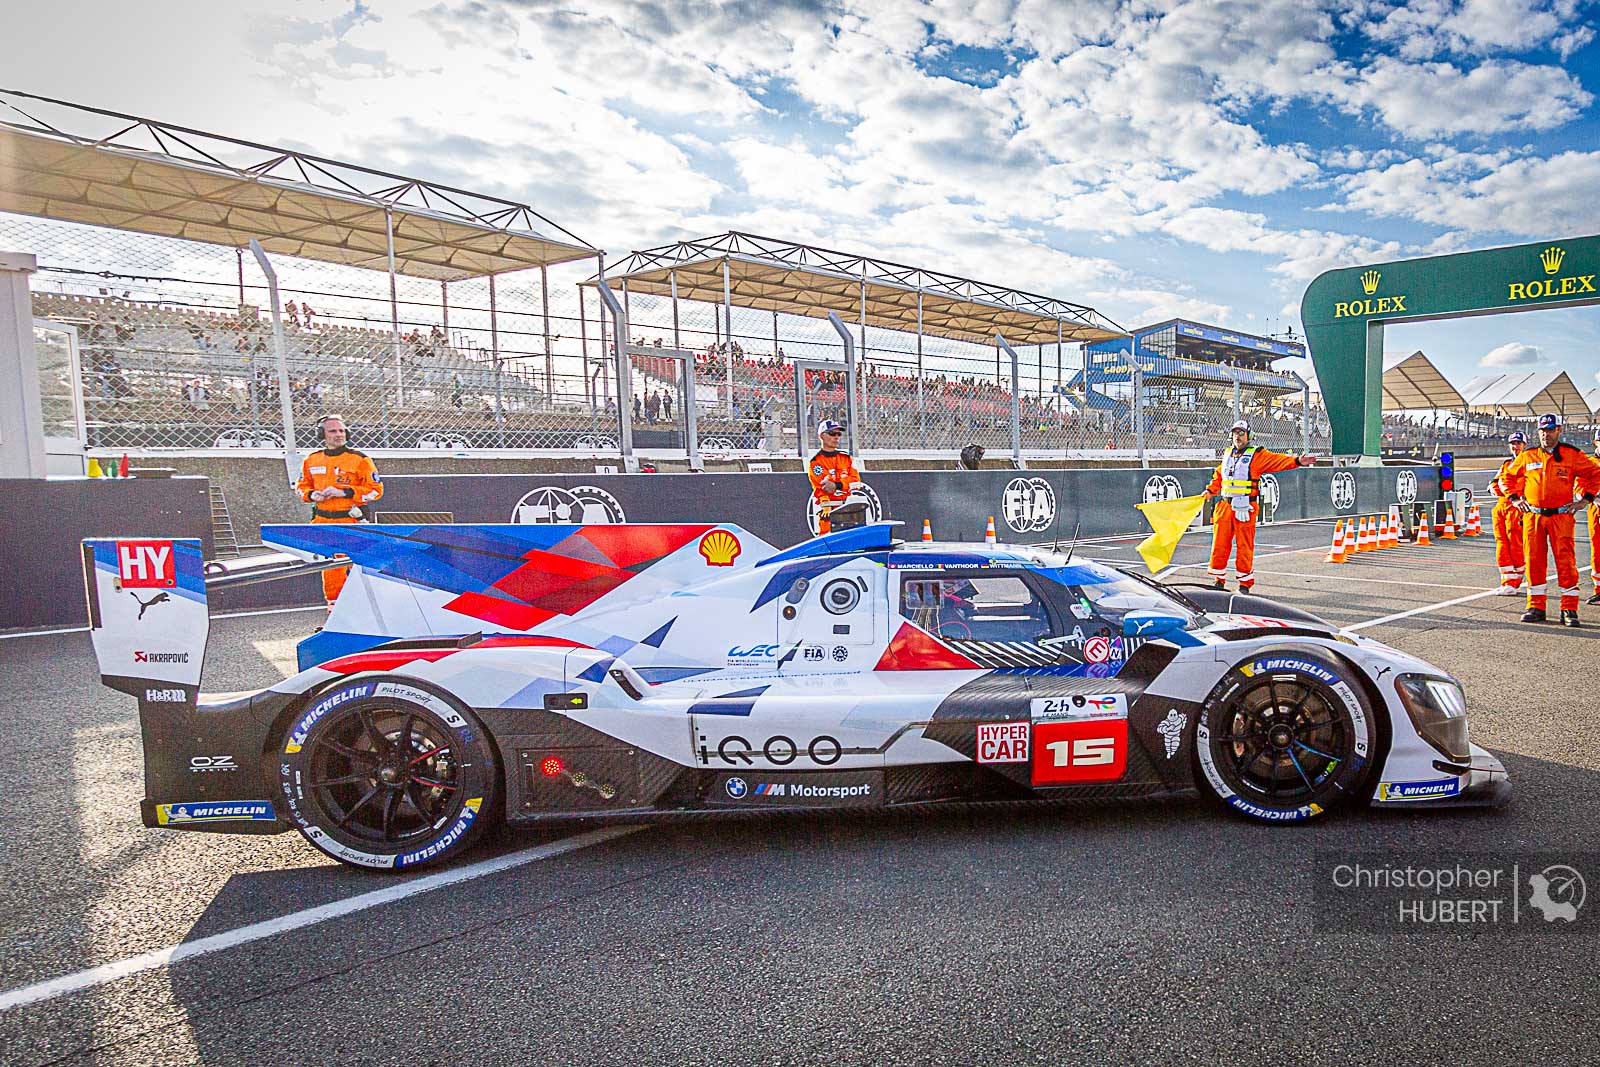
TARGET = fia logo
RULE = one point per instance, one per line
(1342, 491)
(145, 565)
(1405, 488)
(1029, 504)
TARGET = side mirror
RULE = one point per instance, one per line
(1151, 624)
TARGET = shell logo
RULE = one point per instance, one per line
(720, 548)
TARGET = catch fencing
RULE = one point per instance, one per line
(174, 350)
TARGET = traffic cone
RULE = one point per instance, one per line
(1391, 527)
(94, 470)
(1422, 531)
(1474, 522)
(1383, 532)
(927, 530)
(1396, 527)
(1336, 553)
(988, 535)
(1449, 531)
(1364, 536)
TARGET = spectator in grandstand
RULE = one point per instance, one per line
(972, 457)
(638, 407)
(455, 391)
(436, 340)
(307, 312)
(293, 311)
(652, 406)
(339, 483)
(666, 407)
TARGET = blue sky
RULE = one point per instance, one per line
(1150, 159)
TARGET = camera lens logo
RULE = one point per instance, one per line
(1029, 504)
(860, 492)
(1269, 497)
(550, 505)
(1559, 893)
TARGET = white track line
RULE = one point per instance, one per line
(1434, 607)
(224, 615)
(166, 957)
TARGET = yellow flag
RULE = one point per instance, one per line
(1168, 518)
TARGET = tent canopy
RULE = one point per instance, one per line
(795, 279)
(1413, 383)
(77, 164)
(1526, 394)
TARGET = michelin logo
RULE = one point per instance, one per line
(409, 858)
(1444, 787)
(224, 811)
(297, 738)
(1304, 666)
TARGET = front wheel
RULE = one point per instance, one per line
(1288, 737)
(385, 774)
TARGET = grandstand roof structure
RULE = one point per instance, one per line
(797, 279)
(1412, 383)
(79, 164)
(1526, 394)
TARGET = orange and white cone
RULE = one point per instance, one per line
(988, 535)
(1449, 531)
(1383, 532)
(927, 530)
(1422, 530)
(1474, 522)
(1337, 553)
(1392, 524)
(1364, 536)
(1396, 526)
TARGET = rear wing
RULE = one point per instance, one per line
(147, 615)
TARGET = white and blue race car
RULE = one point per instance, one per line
(471, 674)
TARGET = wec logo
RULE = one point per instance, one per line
(145, 565)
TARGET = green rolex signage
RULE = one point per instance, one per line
(1344, 312)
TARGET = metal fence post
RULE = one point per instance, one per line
(1138, 407)
(619, 319)
(291, 456)
(849, 382)
(1016, 401)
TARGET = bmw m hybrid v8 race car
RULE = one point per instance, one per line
(469, 674)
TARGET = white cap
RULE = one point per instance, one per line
(1240, 425)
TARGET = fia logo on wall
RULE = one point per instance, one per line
(861, 492)
(1405, 488)
(1029, 504)
(550, 505)
(1342, 491)
(1269, 497)
(1159, 487)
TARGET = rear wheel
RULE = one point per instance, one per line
(1288, 737)
(386, 774)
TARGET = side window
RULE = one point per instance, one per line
(987, 607)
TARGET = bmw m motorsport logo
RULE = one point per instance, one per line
(222, 811)
(844, 789)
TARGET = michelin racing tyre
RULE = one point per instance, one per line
(383, 773)
(1286, 737)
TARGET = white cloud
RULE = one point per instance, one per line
(1513, 354)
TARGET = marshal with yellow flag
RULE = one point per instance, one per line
(1168, 519)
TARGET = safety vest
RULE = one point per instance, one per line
(1236, 480)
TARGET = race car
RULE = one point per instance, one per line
(475, 673)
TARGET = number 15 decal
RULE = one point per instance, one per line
(1071, 752)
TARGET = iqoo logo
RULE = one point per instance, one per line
(1383, 305)
(1543, 288)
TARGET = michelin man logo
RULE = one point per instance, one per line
(1160, 487)
(860, 491)
(1558, 893)
(1342, 491)
(1269, 497)
(1171, 730)
(1405, 488)
(550, 504)
(1029, 504)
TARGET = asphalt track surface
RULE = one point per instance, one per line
(1138, 933)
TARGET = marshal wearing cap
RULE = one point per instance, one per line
(1240, 425)
(1520, 438)
(1548, 421)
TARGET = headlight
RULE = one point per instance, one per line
(1438, 709)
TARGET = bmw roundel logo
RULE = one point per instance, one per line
(736, 788)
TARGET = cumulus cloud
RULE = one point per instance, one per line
(1513, 354)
